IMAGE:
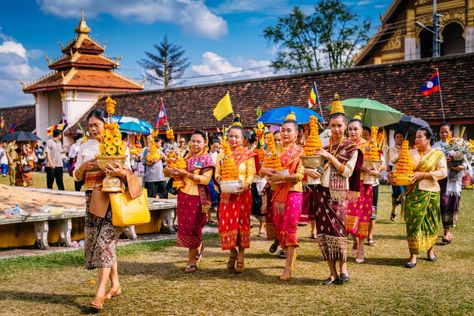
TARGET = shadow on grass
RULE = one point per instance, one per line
(396, 262)
(47, 298)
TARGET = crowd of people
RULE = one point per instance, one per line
(342, 204)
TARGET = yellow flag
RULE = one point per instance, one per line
(223, 108)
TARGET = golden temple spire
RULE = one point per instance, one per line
(82, 27)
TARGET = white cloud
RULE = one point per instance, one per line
(191, 15)
(214, 64)
(15, 66)
(215, 68)
(263, 6)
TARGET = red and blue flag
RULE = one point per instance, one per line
(431, 86)
(162, 118)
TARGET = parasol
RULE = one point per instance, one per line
(278, 115)
(133, 125)
(409, 124)
(21, 137)
(373, 112)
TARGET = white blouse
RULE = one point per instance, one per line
(348, 170)
(89, 150)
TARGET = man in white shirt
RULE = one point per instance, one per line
(54, 161)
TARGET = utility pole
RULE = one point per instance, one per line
(436, 25)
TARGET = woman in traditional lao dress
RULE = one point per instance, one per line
(287, 197)
(360, 210)
(421, 201)
(194, 198)
(339, 186)
(451, 186)
(100, 236)
(235, 209)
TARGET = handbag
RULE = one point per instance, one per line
(127, 211)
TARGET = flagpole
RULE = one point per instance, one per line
(317, 97)
(440, 95)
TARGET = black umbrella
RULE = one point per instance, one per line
(409, 124)
(21, 137)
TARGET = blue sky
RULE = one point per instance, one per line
(219, 36)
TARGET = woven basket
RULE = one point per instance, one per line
(312, 162)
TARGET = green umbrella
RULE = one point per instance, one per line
(373, 112)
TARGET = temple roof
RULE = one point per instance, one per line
(89, 79)
(79, 60)
(386, 19)
(83, 67)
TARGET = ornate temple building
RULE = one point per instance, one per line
(79, 78)
(403, 37)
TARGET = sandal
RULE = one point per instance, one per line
(261, 235)
(191, 268)
(370, 242)
(240, 267)
(97, 303)
(274, 246)
(232, 259)
(393, 216)
(113, 293)
(199, 255)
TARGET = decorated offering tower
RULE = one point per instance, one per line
(176, 161)
(313, 141)
(404, 168)
(228, 168)
(272, 160)
(111, 148)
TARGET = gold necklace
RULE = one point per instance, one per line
(339, 145)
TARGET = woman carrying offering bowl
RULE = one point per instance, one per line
(421, 200)
(235, 207)
(288, 193)
(194, 198)
(100, 236)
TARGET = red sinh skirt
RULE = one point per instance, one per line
(234, 221)
(191, 220)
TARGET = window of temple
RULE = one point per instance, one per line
(426, 43)
(453, 40)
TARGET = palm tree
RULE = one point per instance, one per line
(166, 66)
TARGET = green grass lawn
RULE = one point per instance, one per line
(39, 181)
(153, 281)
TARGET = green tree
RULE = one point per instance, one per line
(327, 38)
(166, 66)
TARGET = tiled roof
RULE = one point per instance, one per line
(79, 60)
(396, 85)
(84, 78)
(23, 116)
(87, 45)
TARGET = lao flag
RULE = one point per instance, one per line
(162, 118)
(431, 86)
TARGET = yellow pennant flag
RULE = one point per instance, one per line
(223, 108)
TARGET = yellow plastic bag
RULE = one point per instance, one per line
(127, 211)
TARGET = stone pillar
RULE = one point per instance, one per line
(469, 29)
(410, 52)
(410, 49)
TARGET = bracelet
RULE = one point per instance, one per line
(341, 168)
